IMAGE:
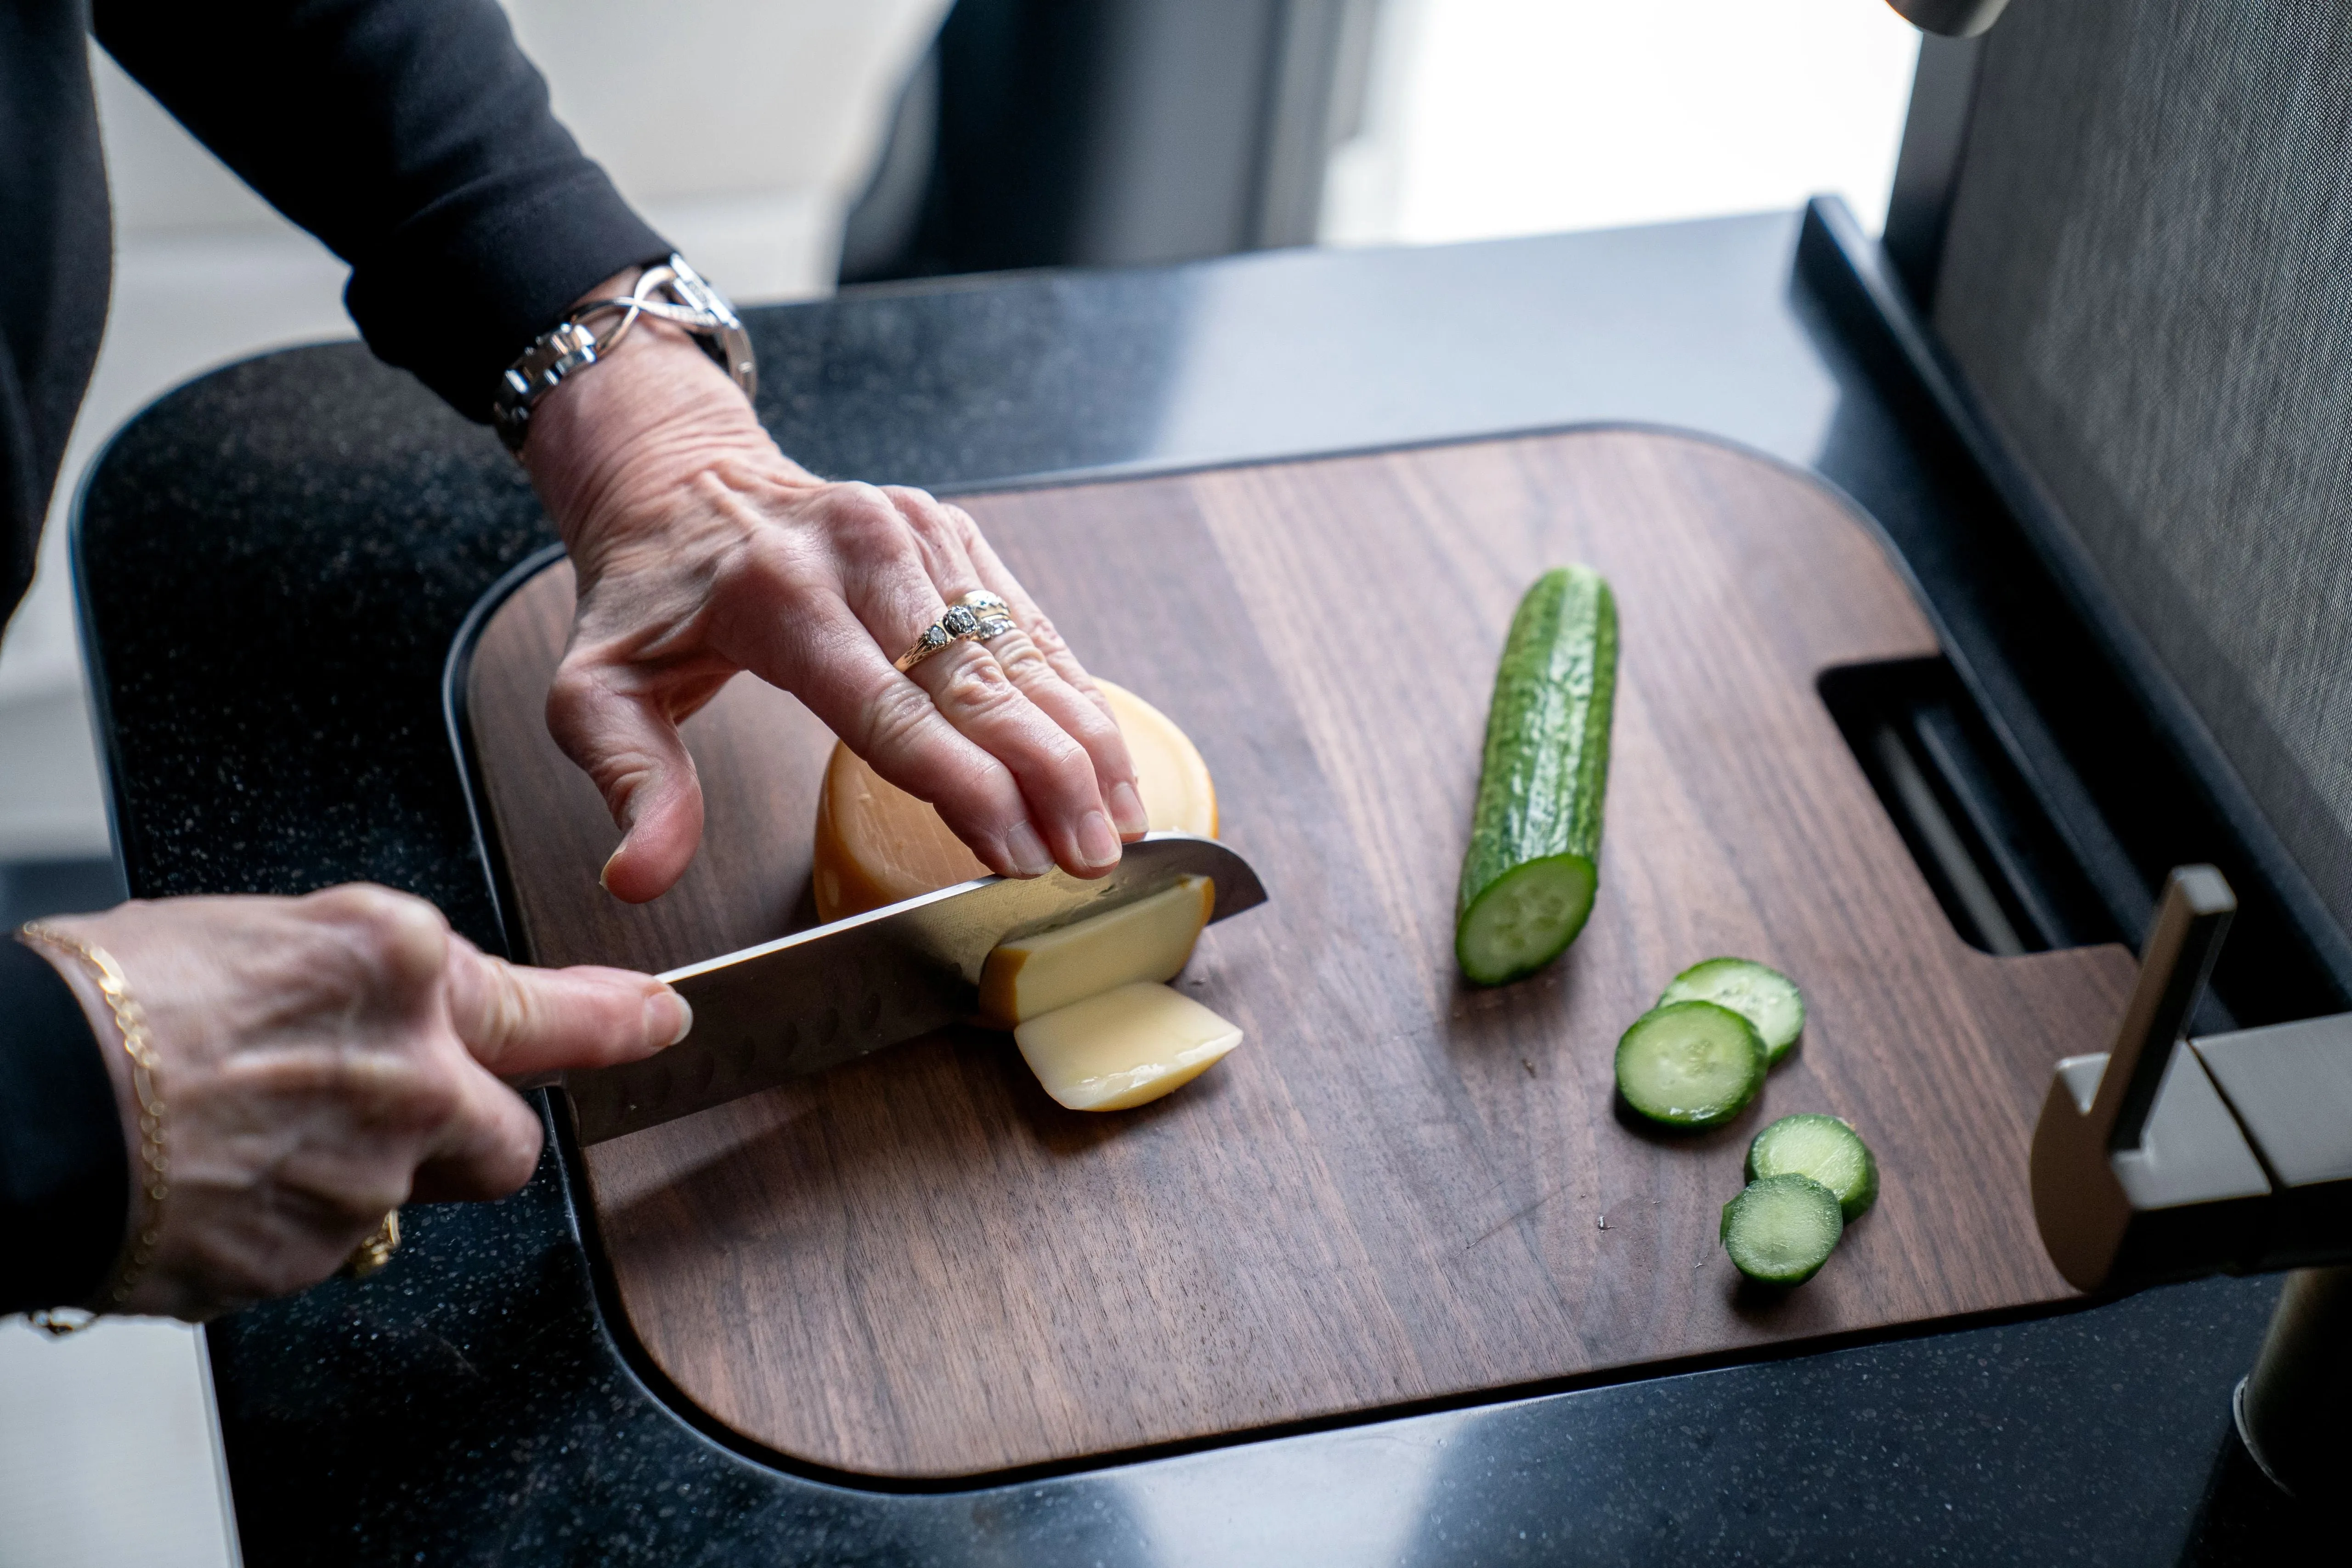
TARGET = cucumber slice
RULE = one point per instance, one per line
(1825, 1148)
(1781, 1229)
(1690, 1064)
(1769, 999)
(1528, 877)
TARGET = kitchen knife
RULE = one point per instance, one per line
(834, 993)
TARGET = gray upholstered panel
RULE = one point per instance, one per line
(2148, 279)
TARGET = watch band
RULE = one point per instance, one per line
(575, 342)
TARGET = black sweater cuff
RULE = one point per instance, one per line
(414, 139)
(463, 289)
(65, 1177)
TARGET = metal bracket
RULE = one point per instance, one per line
(2140, 1173)
(2167, 1158)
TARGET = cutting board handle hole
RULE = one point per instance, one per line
(1981, 838)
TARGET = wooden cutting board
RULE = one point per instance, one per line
(1399, 1189)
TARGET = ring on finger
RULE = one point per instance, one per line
(961, 623)
(376, 1251)
(996, 617)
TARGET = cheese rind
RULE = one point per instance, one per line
(1124, 1047)
(876, 845)
(1150, 938)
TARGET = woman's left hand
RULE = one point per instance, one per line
(701, 551)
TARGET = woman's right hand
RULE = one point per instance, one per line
(325, 1059)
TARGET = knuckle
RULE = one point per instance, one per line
(434, 1100)
(1045, 635)
(859, 513)
(396, 940)
(1022, 659)
(911, 499)
(977, 686)
(508, 1014)
(577, 686)
(775, 565)
(893, 718)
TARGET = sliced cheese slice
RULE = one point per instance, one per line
(1149, 939)
(1124, 1047)
(876, 844)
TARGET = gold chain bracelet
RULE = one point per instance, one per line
(154, 1157)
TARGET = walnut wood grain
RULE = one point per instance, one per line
(919, 1266)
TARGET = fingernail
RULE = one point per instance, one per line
(1026, 851)
(668, 1018)
(1096, 842)
(603, 876)
(1127, 810)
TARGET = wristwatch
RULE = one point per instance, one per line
(575, 342)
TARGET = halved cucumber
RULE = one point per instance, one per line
(1525, 917)
(1781, 1229)
(1826, 1149)
(1534, 859)
(1766, 997)
(1690, 1064)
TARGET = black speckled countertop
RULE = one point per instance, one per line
(274, 560)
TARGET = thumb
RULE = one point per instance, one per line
(627, 742)
(518, 1022)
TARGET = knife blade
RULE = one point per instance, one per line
(834, 993)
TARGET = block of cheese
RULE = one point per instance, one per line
(1149, 939)
(1124, 1047)
(876, 844)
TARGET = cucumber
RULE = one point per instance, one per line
(1769, 999)
(1825, 1148)
(1781, 1229)
(1690, 1064)
(1534, 860)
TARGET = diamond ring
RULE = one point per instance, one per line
(995, 614)
(962, 622)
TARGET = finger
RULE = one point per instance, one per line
(487, 1148)
(515, 1021)
(1082, 716)
(815, 649)
(891, 588)
(971, 690)
(619, 724)
(998, 579)
(949, 536)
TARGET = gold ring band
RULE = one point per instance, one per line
(935, 637)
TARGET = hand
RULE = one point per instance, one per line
(325, 1059)
(701, 551)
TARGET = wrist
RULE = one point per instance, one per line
(99, 1015)
(654, 414)
(126, 1049)
(599, 321)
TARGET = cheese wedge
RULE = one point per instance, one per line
(1149, 939)
(1124, 1047)
(876, 844)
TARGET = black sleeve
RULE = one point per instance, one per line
(413, 139)
(65, 1180)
